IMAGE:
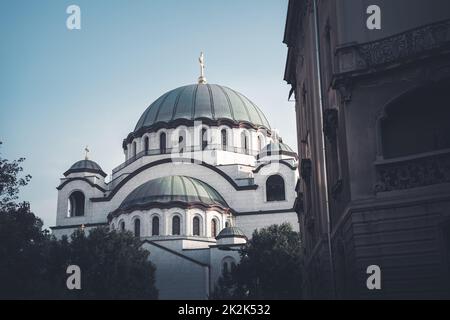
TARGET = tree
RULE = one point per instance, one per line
(113, 265)
(10, 182)
(270, 267)
(21, 236)
(33, 264)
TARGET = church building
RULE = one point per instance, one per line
(202, 170)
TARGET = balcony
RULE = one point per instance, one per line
(180, 151)
(397, 49)
(413, 171)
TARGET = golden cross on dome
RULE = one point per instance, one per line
(201, 60)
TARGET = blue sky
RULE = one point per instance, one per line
(61, 90)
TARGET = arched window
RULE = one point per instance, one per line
(213, 228)
(223, 134)
(155, 226)
(227, 224)
(225, 269)
(137, 228)
(244, 142)
(417, 122)
(122, 226)
(176, 226)
(134, 149)
(162, 143)
(204, 138)
(228, 264)
(76, 204)
(275, 188)
(182, 141)
(196, 226)
(146, 144)
(260, 143)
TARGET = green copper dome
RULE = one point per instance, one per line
(171, 189)
(276, 148)
(85, 166)
(199, 101)
(231, 232)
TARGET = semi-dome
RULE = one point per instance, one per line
(202, 101)
(276, 148)
(172, 190)
(85, 166)
(231, 232)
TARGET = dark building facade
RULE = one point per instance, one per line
(373, 126)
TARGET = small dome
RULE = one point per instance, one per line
(176, 190)
(231, 232)
(276, 148)
(199, 101)
(85, 166)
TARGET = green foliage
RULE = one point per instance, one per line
(33, 264)
(10, 182)
(270, 267)
(113, 265)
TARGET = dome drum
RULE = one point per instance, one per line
(190, 123)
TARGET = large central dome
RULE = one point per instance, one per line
(199, 101)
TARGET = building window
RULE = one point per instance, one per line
(155, 226)
(137, 228)
(225, 269)
(329, 54)
(417, 122)
(260, 143)
(228, 265)
(162, 143)
(182, 141)
(227, 224)
(76, 204)
(244, 142)
(196, 226)
(223, 134)
(204, 138)
(176, 226)
(213, 228)
(275, 188)
(146, 144)
(134, 149)
(122, 226)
